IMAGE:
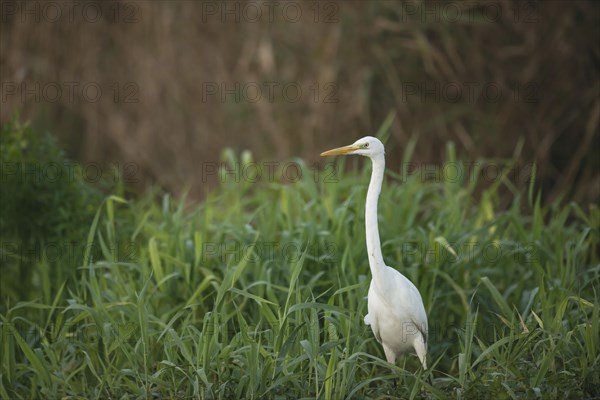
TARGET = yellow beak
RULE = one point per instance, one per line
(339, 150)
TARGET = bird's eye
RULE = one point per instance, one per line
(366, 145)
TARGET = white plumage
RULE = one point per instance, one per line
(396, 312)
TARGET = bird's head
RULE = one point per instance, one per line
(367, 146)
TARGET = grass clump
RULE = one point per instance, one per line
(260, 292)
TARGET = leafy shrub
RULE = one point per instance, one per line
(46, 208)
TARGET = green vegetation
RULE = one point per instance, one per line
(46, 205)
(260, 292)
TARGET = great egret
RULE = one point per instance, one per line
(396, 313)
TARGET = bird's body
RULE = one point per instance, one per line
(396, 312)
(398, 329)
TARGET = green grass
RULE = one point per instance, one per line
(260, 292)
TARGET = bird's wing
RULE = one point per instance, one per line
(409, 295)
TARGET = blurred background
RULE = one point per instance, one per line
(167, 85)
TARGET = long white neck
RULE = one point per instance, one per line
(376, 263)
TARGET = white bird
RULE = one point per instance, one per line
(396, 312)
